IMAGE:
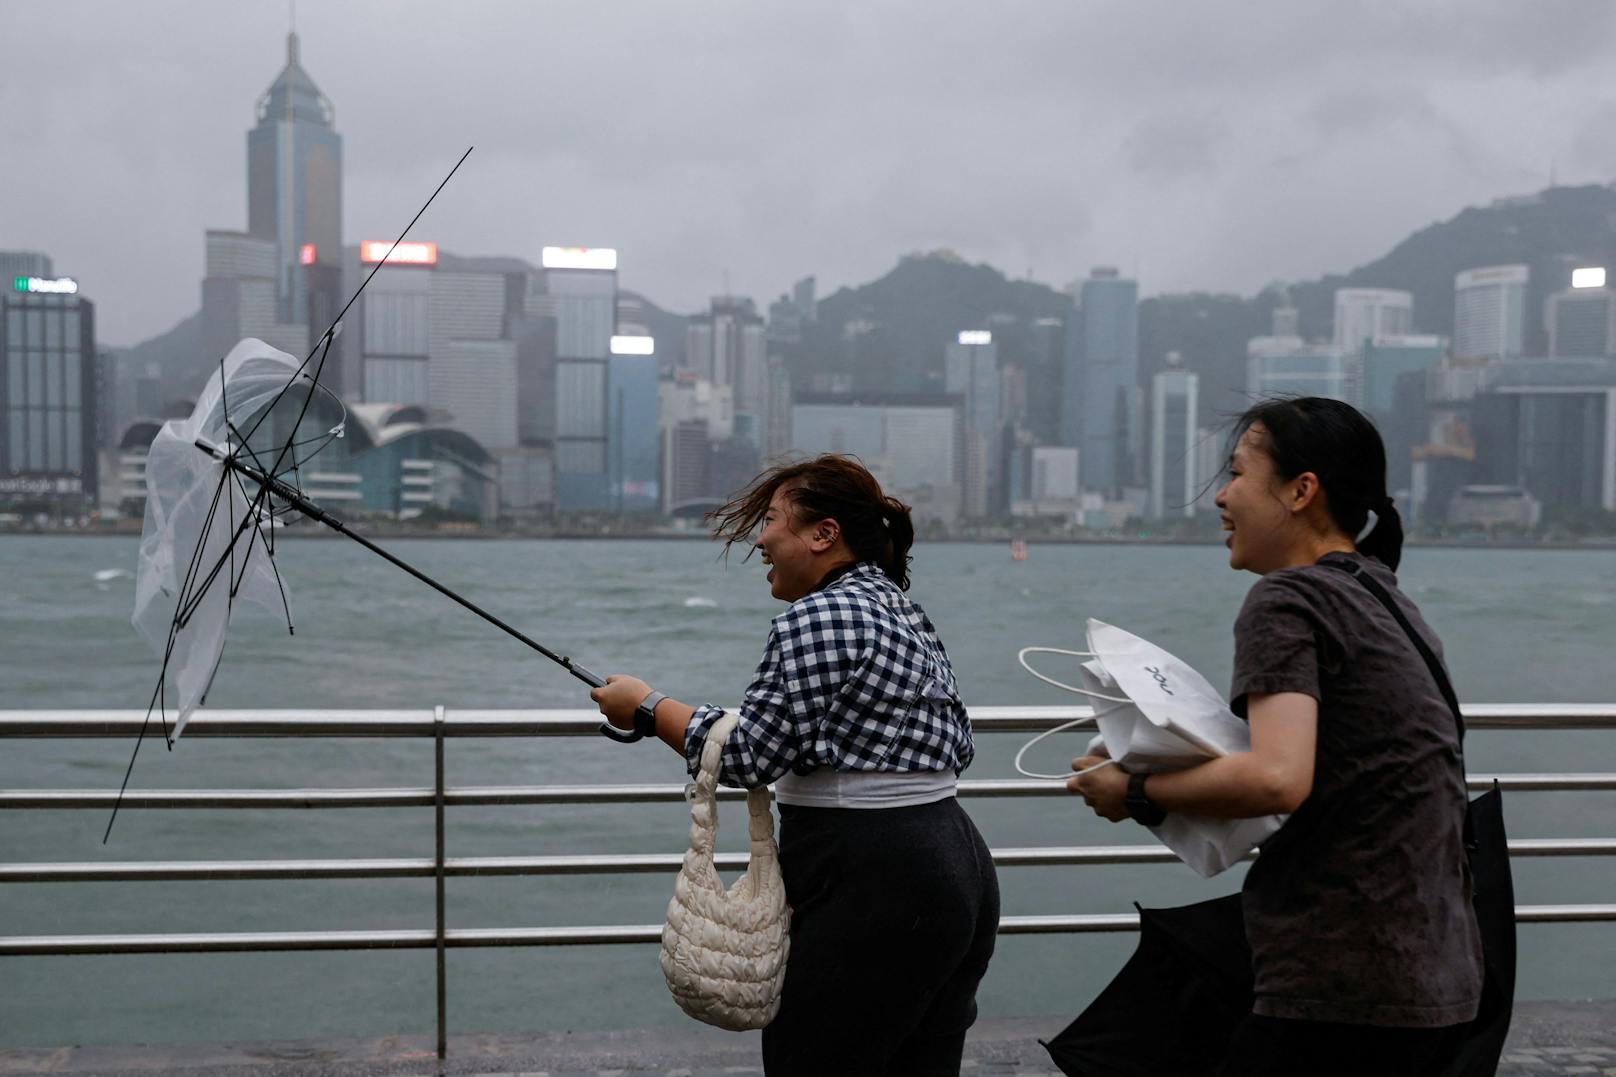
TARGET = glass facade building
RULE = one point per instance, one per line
(294, 187)
(1102, 381)
(48, 391)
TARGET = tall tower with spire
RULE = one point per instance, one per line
(294, 190)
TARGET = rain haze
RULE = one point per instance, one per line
(736, 147)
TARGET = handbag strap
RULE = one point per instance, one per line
(704, 798)
(1438, 674)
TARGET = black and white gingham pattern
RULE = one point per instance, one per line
(854, 678)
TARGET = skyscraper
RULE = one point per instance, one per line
(294, 187)
(1489, 312)
(1174, 469)
(971, 371)
(728, 346)
(1102, 381)
(581, 283)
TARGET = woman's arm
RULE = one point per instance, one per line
(620, 696)
(1274, 777)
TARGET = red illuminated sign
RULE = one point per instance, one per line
(306, 254)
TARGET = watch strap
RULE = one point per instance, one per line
(645, 714)
(1140, 807)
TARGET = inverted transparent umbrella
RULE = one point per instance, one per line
(216, 490)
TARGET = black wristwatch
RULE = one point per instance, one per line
(1141, 809)
(645, 714)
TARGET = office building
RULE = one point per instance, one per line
(728, 345)
(238, 301)
(1489, 312)
(1548, 426)
(294, 190)
(1101, 405)
(1581, 321)
(1289, 366)
(971, 372)
(48, 394)
(1174, 407)
(14, 264)
(581, 285)
(692, 416)
(910, 442)
(632, 391)
(391, 326)
(1388, 359)
(1362, 314)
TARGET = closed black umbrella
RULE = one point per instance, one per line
(1172, 1009)
(1174, 1005)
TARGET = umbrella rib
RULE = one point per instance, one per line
(258, 532)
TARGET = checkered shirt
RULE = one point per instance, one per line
(854, 678)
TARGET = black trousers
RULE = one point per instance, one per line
(894, 913)
(1277, 1047)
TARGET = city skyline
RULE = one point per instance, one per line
(1104, 166)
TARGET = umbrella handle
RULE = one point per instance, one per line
(595, 680)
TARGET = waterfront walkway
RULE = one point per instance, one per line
(1546, 1038)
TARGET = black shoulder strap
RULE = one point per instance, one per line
(1355, 570)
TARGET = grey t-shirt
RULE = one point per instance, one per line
(1358, 908)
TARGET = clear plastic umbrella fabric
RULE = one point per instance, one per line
(203, 548)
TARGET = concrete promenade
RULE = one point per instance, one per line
(1546, 1038)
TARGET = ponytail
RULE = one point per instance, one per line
(1382, 537)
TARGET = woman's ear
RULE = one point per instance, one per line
(1304, 491)
(826, 533)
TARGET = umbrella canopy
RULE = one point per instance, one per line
(1175, 1004)
(205, 545)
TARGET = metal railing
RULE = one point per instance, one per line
(440, 725)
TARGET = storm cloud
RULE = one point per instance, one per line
(1206, 147)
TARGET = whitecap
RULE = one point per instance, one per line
(699, 602)
(102, 575)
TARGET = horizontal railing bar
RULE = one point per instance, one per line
(463, 938)
(484, 796)
(584, 722)
(466, 867)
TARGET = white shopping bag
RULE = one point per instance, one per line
(1156, 713)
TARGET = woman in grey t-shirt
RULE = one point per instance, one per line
(1364, 941)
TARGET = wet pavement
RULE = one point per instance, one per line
(1546, 1038)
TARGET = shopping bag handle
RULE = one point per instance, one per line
(1021, 656)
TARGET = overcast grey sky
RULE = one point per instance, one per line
(1204, 145)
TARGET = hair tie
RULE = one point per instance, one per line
(1373, 518)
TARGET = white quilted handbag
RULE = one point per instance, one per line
(724, 951)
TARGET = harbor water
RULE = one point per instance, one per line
(1518, 626)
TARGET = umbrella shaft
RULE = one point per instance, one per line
(291, 496)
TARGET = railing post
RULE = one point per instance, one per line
(443, 980)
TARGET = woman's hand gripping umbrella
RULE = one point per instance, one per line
(216, 491)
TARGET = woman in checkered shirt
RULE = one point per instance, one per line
(855, 717)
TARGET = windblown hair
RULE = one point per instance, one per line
(1341, 446)
(829, 487)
